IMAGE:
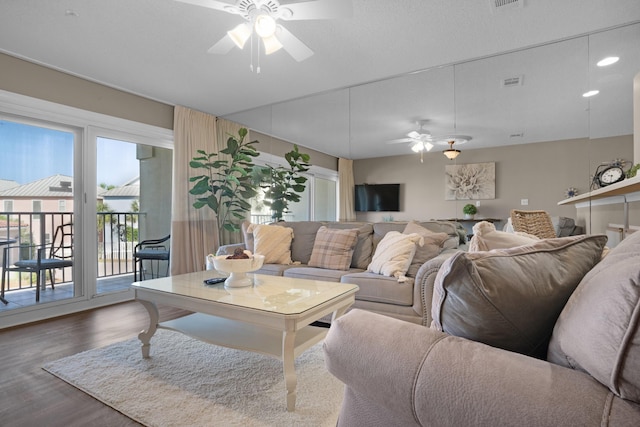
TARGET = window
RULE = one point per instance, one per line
(62, 205)
(36, 206)
(8, 206)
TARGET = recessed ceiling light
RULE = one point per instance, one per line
(590, 93)
(607, 61)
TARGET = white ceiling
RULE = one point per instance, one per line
(158, 49)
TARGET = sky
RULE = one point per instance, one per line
(29, 153)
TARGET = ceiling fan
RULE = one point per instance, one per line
(262, 19)
(420, 140)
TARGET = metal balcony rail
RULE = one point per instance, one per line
(116, 236)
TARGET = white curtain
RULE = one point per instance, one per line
(194, 232)
(346, 191)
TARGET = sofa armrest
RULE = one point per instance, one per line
(399, 373)
(423, 285)
(228, 249)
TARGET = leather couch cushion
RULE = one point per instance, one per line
(430, 249)
(333, 248)
(511, 298)
(598, 331)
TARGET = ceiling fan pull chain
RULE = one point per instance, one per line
(258, 69)
(251, 52)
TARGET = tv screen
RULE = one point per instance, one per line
(377, 198)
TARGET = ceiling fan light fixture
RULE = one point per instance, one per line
(265, 25)
(451, 153)
(240, 34)
(417, 147)
(271, 44)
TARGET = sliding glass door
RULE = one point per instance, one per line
(38, 204)
(133, 186)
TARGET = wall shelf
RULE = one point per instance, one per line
(622, 192)
(630, 185)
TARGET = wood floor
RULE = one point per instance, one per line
(30, 396)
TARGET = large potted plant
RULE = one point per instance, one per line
(283, 185)
(226, 184)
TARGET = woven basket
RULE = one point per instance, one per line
(537, 223)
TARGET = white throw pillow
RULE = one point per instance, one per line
(274, 242)
(394, 254)
(486, 238)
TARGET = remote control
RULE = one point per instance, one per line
(214, 280)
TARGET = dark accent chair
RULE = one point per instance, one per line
(150, 250)
(50, 256)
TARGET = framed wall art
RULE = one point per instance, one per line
(473, 181)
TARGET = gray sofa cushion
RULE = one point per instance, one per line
(316, 273)
(304, 234)
(377, 288)
(431, 248)
(598, 331)
(511, 298)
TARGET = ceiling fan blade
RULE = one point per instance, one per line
(223, 46)
(413, 134)
(298, 50)
(212, 4)
(319, 9)
(400, 141)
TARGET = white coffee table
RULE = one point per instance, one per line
(271, 317)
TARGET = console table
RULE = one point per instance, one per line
(469, 223)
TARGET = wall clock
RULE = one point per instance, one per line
(609, 175)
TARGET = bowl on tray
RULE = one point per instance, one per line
(238, 269)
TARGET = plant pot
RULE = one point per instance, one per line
(468, 216)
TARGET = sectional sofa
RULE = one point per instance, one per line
(402, 296)
(546, 334)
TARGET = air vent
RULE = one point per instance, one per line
(517, 135)
(504, 5)
(512, 81)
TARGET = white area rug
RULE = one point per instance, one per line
(189, 383)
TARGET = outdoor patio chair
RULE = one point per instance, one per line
(39, 258)
(150, 250)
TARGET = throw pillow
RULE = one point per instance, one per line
(274, 242)
(432, 246)
(511, 298)
(486, 237)
(333, 248)
(364, 245)
(394, 253)
(598, 330)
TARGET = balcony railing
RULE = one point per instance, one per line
(116, 236)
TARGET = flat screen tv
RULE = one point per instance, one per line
(377, 198)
